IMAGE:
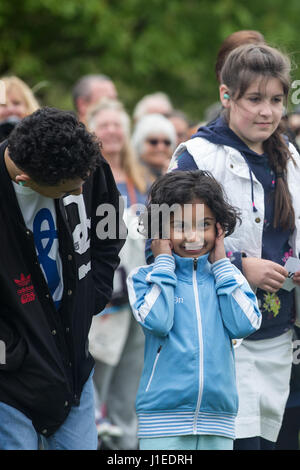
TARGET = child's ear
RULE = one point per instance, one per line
(221, 229)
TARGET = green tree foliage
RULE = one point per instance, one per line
(145, 46)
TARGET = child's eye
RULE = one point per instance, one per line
(277, 100)
(206, 223)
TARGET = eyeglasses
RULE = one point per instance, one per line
(155, 142)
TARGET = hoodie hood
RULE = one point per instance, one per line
(218, 132)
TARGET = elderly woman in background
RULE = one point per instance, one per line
(158, 103)
(18, 102)
(111, 124)
(154, 140)
(116, 341)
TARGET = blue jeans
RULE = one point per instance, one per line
(78, 432)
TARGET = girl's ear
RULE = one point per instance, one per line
(224, 96)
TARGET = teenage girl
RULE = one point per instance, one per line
(260, 171)
(191, 302)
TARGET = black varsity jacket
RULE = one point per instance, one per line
(46, 359)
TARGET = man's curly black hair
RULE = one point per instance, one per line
(182, 187)
(52, 146)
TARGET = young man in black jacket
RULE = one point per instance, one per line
(56, 272)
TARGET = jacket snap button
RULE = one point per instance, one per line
(257, 220)
(70, 292)
(53, 332)
(44, 431)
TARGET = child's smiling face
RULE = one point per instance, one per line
(193, 230)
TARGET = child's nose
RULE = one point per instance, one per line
(194, 236)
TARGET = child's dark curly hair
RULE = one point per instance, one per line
(183, 187)
(51, 146)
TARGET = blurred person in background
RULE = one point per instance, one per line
(158, 103)
(116, 342)
(236, 39)
(293, 125)
(288, 438)
(154, 140)
(181, 123)
(90, 89)
(19, 101)
(294, 120)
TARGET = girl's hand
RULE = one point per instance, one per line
(264, 274)
(219, 250)
(296, 278)
(161, 247)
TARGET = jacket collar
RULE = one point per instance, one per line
(186, 266)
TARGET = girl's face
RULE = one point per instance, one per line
(157, 151)
(109, 129)
(14, 105)
(193, 230)
(256, 115)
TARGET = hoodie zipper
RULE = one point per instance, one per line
(199, 324)
(153, 368)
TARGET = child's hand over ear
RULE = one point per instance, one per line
(161, 247)
(219, 250)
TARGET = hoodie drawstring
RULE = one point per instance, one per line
(252, 184)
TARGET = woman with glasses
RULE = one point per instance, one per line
(154, 140)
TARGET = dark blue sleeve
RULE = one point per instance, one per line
(148, 252)
(186, 162)
(236, 259)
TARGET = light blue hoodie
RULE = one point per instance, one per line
(190, 311)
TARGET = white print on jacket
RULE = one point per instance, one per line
(80, 232)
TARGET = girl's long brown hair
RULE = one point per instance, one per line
(241, 68)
